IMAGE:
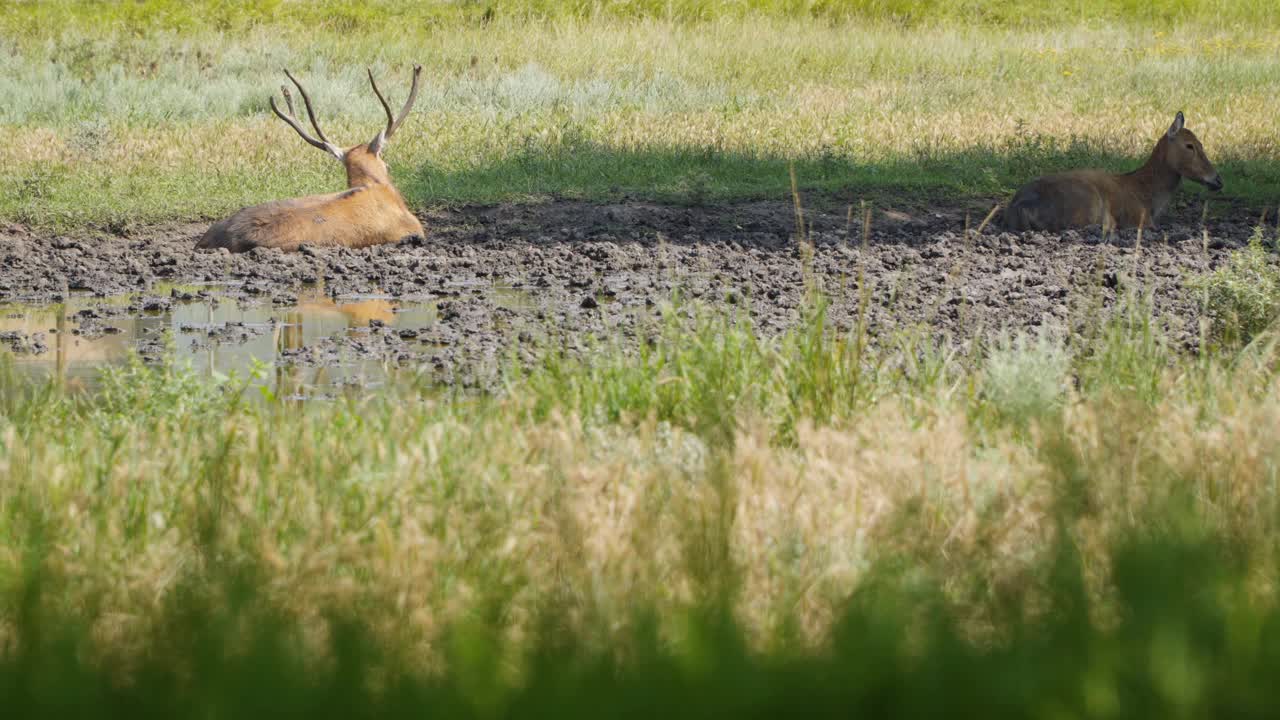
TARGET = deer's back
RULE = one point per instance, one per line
(357, 217)
(1071, 199)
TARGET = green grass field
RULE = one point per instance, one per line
(147, 111)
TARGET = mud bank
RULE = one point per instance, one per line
(500, 279)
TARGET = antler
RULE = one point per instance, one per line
(323, 143)
(393, 122)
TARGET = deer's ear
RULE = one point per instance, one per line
(1176, 127)
(378, 143)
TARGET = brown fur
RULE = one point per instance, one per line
(369, 212)
(1082, 198)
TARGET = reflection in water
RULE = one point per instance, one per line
(213, 334)
(68, 356)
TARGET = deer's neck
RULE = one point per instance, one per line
(362, 177)
(1155, 182)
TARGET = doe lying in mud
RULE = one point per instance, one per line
(369, 212)
(1093, 197)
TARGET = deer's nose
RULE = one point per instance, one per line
(1214, 183)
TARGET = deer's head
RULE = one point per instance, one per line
(363, 162)
(1185, 155)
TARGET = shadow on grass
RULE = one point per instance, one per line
(585, 191)
(925, 179)
(580, 169)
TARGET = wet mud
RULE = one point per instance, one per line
(498, 282)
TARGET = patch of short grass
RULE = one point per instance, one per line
(346, 15)
(1242, 298)
(1024, 376)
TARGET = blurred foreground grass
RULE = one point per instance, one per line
(1183, 639)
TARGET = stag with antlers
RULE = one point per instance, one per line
(369, 212)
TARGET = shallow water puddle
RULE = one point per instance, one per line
(215, 333)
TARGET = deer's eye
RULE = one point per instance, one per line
(1190, 146)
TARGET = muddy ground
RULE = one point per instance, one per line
(505, 276)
